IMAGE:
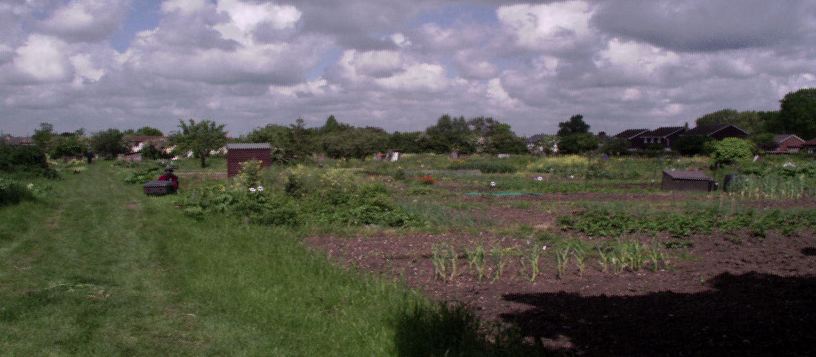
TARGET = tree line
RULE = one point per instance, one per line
(296, 142)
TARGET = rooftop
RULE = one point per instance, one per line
(706, 130)
(631, 133)
(688, 175)
(248, 146)
(664, 131)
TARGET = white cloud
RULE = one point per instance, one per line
(553, 27)
(185, 7)
(85, 20)
(246, 17)
(42, 58)
(418, 77)
(376, 63)
(85, 69)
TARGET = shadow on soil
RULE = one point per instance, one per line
(749, 314)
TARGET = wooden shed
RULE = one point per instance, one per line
(238, 153)
(687, 181)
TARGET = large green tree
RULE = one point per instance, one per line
(200, 138)
(43, 136)
(145, 131)
(575, 125)
(750, 121)
(109, 143)
(449, 134)
(797, 114)
(578, 143)
(354, 143)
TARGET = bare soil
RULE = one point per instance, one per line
(720, 295)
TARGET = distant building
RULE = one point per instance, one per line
(787, 144)
(631, 135)
(718, 131)
(663, 137)
(809, 146)
(238, 153)
(135, 143)
(17, 140)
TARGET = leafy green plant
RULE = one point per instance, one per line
(476, 260)
(499, 256)
(561, 260)
(533, 258)
(13, 192)
(444, 259)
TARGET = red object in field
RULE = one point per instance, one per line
(238, 153)
(168, 176)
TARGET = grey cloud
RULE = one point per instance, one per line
(706, 25)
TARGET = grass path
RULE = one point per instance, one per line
(100, 269)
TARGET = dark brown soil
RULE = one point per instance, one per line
(722, 295)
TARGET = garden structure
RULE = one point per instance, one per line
(238, 153)
(687, 181)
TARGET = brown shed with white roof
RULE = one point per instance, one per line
(238, 153)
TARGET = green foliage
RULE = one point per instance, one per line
(143, 173)
(578, 143)
(200, 138)
(477, 260)
(444, 259)
(354, 142)
(250, 174)
(150, 152)
(108, 143)
(615, 146)
(731, 150)
(691, 144)
(27, 160)
(449, 134)
(145, 131)
(606, 223)
(750, 121)
(485, 166)
(43, 136)
(68, 145)
(796, 114)
(13, 192)
(575, 125)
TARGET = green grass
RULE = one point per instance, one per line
(100, 269)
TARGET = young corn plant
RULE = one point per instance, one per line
(655, 256)
(499, 256)
(603, 258)
(579, 253)
(533, 258)
(476, 261)
(438, 257)
(561, 260)
(444, 260)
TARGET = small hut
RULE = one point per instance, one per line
(687, 181)
(238, 153)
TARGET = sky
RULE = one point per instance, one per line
(396, 64)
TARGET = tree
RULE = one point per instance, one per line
(751, 121)
(764, 141)
(333, 125)
(43, 136)
(691, 144)
(200, 138)
(109, 143)
(405, 142)
(578, 143)
(354, 143)
(303, 140)
(449, 134)
(797, 114)
(615, 146)
(68, 144)
(731, 150)
(145, 131)
(279, 137)
(575, 125)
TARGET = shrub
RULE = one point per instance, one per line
(487, 167)
(12, 192)
(250, 174)
(24, 159)
(731, 150)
